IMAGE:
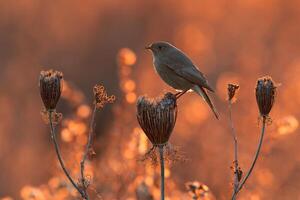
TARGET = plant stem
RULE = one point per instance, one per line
(254, 160)
(87, 148)
(162, 172)
(234, 136)
(58, 153)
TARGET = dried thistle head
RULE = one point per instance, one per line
(232, 88)
(265, 95)
(157, 117)
(101, 97)
(50, 84)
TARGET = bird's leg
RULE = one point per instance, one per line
(179, 94)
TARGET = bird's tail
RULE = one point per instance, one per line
(199, 90)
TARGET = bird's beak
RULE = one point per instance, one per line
(149, 47)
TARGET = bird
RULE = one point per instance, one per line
(177, 70)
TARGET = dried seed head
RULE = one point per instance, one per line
(265, 95)
(232, 88)
(157, 117)
(101, 97)
(50, 88)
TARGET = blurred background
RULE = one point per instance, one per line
(102, 41)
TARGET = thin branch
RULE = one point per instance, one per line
(87, 149)
(162, 172)
(58, 153)
(254, 160)
(234, 136)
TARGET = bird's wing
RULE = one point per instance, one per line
(184, 68)
(195, 76)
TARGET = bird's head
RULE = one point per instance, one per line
(160, 48)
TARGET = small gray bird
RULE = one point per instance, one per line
(178, 71)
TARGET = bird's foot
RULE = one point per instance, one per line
(179, 94)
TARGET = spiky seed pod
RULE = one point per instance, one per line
(157, 117)
(232, 88)
(50, 84)
(265, 95)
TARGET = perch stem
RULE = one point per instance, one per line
(254, 160)
(162, 172)
(58, 153)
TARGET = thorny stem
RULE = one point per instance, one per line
(254, 160)
(87, 148)
(58, 153)
(162, 172)
(236, 164)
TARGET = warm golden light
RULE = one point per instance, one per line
(84, 111)
(287, 125)
(131, 97)
(104, 42)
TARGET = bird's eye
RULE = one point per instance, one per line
(160, 47)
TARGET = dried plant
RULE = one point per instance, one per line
(265, 96)
(50, 84)
(101, 98)
(157, 118)
(50, 90)
(232, 89)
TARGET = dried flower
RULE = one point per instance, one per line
(50, 88)
(232, 88)
(157, 117)
(265, 95)
(101, 97)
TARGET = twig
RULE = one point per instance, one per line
(87, 149)
(234, 136)
(254, 160)
(162, 172)
(58, 153)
